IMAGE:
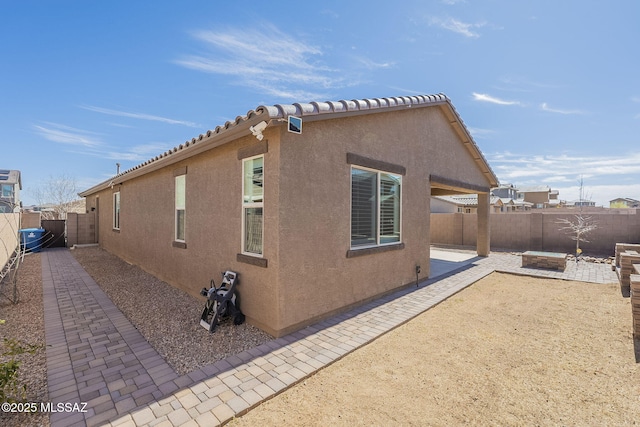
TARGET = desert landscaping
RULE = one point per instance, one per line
(508, 350)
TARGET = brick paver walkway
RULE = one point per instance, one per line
(96, 356)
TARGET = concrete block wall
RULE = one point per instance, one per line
(81, 229)
(447, 228)
(513, 232)
(540, 231)
(9, 224)
(31, 220)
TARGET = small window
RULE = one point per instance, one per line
(252, 205)
(375, 207)
(7, 191)
(180, 193)
(116, 210)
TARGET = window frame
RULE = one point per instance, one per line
(180, 180)
(378, 236)
(10, 194)
(116, 210)
(246, 205)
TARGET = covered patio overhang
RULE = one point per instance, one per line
(444, 186)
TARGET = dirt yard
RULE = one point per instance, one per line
(509, 350)
(25, 322)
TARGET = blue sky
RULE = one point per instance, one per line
(550, 90)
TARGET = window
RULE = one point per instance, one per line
(375, 207)
(252, 205)
(7, 191)
(180, 189)
(116, 210)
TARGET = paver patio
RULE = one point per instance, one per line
(95, 355)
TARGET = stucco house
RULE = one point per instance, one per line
(624, 202)
(10, 186)
(541, 196)
(314, 222)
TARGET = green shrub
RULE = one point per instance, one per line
(10, 388)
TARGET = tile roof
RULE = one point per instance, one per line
(469, 199)
(232, 130)
(535, 189)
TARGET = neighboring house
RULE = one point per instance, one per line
(508, 194)
(624, 202)
(467, 203)
(581, 203)
(541, 196)
(53, 211)
(505, 191)
(10, 186)
(314, 223)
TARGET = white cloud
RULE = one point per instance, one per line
(545, 107)
(88, 143)
(479, 133)
(456, 26)
(140, 116)
(514, 166)
(601, 194)
(483, 97)
(372, 65)
(67, 135)
(138, 153)
(266, 59)
(605, 177)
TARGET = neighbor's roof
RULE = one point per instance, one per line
(312, 111)
(468, 199)
(626, 199)
(535, 189)
(8, 176)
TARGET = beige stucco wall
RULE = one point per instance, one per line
(9, 225)
(213, 227)
(316, 277)
(537, 198)
(307, 215)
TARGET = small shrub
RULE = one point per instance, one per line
(10, 388)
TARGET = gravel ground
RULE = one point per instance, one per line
(25, 321)
(167, 317)
(506, 351)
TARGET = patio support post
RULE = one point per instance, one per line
(484, 224)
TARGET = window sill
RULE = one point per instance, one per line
(115, 230)
(352, 253)
(248, 259)
(179, 245)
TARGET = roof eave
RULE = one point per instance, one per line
(465, 136)
(204, 143)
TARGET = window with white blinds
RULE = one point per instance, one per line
(375, 207)
(116, 210)
(180, 206)
(252, 205)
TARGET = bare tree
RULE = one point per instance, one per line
(59, 192)
(581, 226)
